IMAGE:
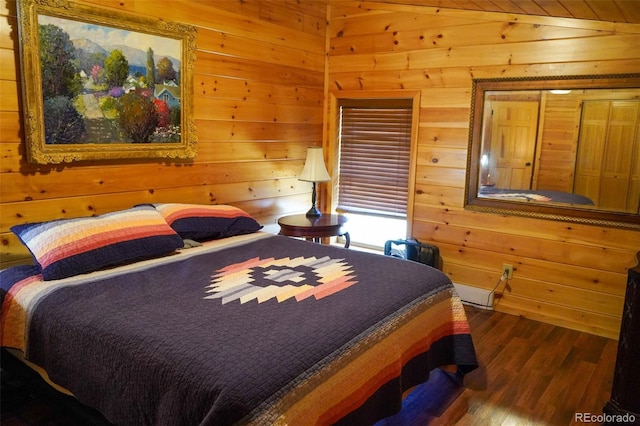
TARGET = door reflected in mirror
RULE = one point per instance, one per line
(567, 147)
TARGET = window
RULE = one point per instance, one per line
(374, 160)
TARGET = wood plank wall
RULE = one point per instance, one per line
(571, 275)
(258, 104)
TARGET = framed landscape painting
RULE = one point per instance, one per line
(99, 84)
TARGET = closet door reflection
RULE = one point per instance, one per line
(608, 163)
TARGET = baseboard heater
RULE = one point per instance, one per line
(474, 296)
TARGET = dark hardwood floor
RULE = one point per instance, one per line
(531, 374)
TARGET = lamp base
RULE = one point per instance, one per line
(313, 212)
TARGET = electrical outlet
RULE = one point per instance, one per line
(508, 269)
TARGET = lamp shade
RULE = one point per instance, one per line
(314, 169)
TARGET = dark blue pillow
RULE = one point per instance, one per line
(207, 222)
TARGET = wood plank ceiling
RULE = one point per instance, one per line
(625, 11)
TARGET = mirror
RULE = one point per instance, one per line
(562, 148)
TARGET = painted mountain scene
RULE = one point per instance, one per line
(107, 85)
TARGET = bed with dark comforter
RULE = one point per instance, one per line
(535, 195)
(248, 329)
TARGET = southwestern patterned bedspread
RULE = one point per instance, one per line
(254, 329)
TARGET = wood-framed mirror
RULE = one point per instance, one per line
(561, 148)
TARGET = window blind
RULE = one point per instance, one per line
(375, 147)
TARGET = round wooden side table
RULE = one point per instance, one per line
(315, 228)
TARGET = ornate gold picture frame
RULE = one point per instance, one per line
(98, 84)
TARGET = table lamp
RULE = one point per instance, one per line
(314, 171)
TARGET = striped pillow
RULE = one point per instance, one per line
(207, 222)
(67, 247)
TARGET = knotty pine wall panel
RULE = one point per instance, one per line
(573, 275)
(559, 140)
(258, 105)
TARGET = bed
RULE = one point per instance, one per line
(180, 314)
(534, 195)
